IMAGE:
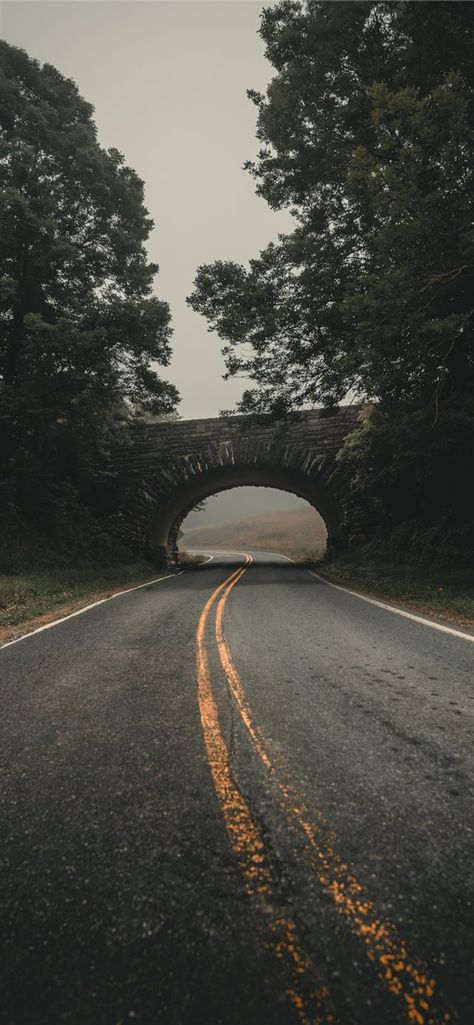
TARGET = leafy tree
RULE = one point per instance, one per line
(366, 134)
(80, 328)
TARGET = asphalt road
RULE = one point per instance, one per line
(246, 804)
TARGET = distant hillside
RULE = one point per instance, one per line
(298, 532)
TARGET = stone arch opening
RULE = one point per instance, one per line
(254, 517)
(165, 525)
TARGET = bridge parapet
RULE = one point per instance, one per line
(171, 466)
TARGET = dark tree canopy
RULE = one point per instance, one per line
(366, 135)
(80, 328)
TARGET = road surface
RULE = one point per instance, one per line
(238, 796)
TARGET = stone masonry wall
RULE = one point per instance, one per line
(169, 463)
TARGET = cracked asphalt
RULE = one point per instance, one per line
(269, 825)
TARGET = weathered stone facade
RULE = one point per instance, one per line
(172, 466)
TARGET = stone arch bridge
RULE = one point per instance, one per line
(171, 466)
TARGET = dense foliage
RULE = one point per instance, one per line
(367, 136)
(79, 324)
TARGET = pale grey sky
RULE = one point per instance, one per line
(168, 82)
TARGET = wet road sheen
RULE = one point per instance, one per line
(237, 796)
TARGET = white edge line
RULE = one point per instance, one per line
(263, 551)
(86, 608)
(217, 552)
(384, 605)
(337, 587)
(199, 551)
(398, 612)
(232, 551)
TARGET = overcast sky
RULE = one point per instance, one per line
(168, 82)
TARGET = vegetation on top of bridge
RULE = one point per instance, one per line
(367, 136)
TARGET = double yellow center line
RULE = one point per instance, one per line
(243, 832)
(405, 978)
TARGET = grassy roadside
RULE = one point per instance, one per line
(31, 599)
(441, 590)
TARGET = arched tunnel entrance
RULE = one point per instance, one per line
(164, 528)
(250, 518)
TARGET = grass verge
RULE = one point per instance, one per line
(190, 560)
(31, 599)
(438, 589)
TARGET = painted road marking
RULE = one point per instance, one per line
(393, 608)
(310, 1006)
(373, 601)
(86, 608)
(381, 604)
(404, 977)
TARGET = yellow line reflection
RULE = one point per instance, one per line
(404, 977)
(310, 1006)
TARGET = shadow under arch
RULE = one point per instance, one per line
(164, 527)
